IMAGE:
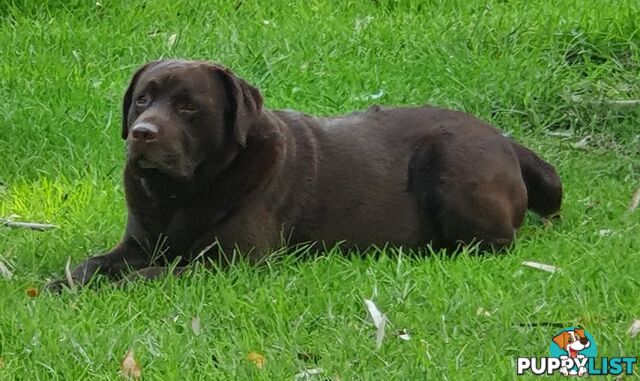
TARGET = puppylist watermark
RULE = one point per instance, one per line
(573, 352)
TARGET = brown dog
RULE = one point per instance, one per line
(206, 162)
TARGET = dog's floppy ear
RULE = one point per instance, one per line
(562, 339)
(245, 106)
(580, 332)
(128, 95)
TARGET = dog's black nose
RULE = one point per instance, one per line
(144, 131)
(584, 341)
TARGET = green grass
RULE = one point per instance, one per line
(528, 67)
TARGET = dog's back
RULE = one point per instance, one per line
(409, 176)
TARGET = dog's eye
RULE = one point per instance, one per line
(142, 101)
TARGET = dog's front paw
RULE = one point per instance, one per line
(56, 286)
(149, 273)
(78, 277)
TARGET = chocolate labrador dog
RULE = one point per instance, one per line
(207, 163)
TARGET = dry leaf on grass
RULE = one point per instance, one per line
(308, 373)
(4, 271)
(583, 143)
(634, 329)
(195, 325)
(377, 95)
(403, 334)
(482, 312)
(604, 232)
(32, 292)
(172, 40)
(379, 320)
(1, 363)
(257, 359)
(635, 201)
(129, 367)
(541, 266)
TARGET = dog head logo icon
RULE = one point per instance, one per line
(573, 343)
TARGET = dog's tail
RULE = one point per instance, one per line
(544, 188)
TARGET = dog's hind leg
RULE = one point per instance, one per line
(470, 191)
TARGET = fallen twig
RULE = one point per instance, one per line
(541, 324)
(624, 102)
(26, 225)
(611, 102)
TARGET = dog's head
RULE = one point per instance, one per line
(178, 114)
(572, 341)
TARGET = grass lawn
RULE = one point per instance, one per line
(551, 74)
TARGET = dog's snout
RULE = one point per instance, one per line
(144, 131)
(584, 341)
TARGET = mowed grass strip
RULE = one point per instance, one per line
(531, 69)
